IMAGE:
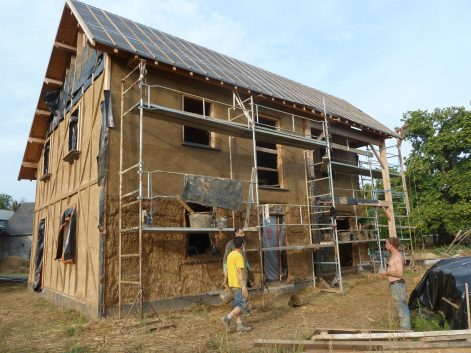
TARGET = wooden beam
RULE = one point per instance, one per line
(393, 335)
(81, 23)
(107, 80)
(387, 213)
(29, 165)
(377, 156)
(36, 140)
(351, 134)
(43, 112)
(68, 48)
(133, 60)
(387, 189)
(349, 149)
(52, 82)
(451, 303)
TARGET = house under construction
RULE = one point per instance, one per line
(149, 150)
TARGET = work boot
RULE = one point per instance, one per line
(227, 323)
(242, 328)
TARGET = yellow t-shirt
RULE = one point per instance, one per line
(235, 260)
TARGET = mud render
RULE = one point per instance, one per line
(311, 202)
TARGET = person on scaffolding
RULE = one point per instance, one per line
(237, 283)
(239, 232)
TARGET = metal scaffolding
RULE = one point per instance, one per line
(242, 122)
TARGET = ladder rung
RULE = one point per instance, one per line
(320, 195)
(130, 230)
(129, 203)
(320, 179)
(130, 282)
(129, 255)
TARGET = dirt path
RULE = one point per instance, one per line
(31, 324)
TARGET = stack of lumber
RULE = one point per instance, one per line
(339, 340)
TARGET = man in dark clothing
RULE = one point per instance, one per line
(239, 232)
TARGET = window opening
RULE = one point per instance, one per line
(46, 156)
(200, 243)
(73, 130)
(193, 135)
(267, 157)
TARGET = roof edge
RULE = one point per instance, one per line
(81, 22)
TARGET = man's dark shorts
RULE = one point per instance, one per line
(239, 300)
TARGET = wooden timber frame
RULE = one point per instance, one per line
(242, 124)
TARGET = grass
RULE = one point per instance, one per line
(424, 320)
(456, 249)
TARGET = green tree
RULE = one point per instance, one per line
(439, 169)
(8, 203)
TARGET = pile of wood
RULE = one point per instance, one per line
(335, 340)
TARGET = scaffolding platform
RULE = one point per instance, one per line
(230, 128)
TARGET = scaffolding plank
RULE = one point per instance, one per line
(229, 127)
(297, 247)
(148, 229)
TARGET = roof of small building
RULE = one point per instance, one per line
(5, 215)
(21, 223)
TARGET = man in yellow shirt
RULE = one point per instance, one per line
(237, 283)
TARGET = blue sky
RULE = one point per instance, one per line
(385, 57)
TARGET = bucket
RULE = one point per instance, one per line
(201, 220)
(221, 222)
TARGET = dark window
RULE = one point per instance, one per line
(267, 157)
(47, 149)
(73, 130)
(199, 243)
(346, 249)
(66, 241)
(191, 134)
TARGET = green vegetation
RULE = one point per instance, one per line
(422, 320)
(439, 169)
(8, 203)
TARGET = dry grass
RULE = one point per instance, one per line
(31, 324)
(14, 264)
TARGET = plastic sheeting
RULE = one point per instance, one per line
(66, 242)
(38, 259)
(78, 78)
(102, 160)
(47, 148)
(274, 262)
(445, 279)
(73, 133)
(213, 192)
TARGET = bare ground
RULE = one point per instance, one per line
(32, 324)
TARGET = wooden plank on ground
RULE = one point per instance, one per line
(393, 335)
(363, 346)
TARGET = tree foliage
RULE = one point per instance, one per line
(8, 203)
(439, 169)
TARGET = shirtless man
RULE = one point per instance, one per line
(397, 285)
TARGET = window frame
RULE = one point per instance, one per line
(276, 152)
(46, 176)
(203, 101)
(73, 154)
